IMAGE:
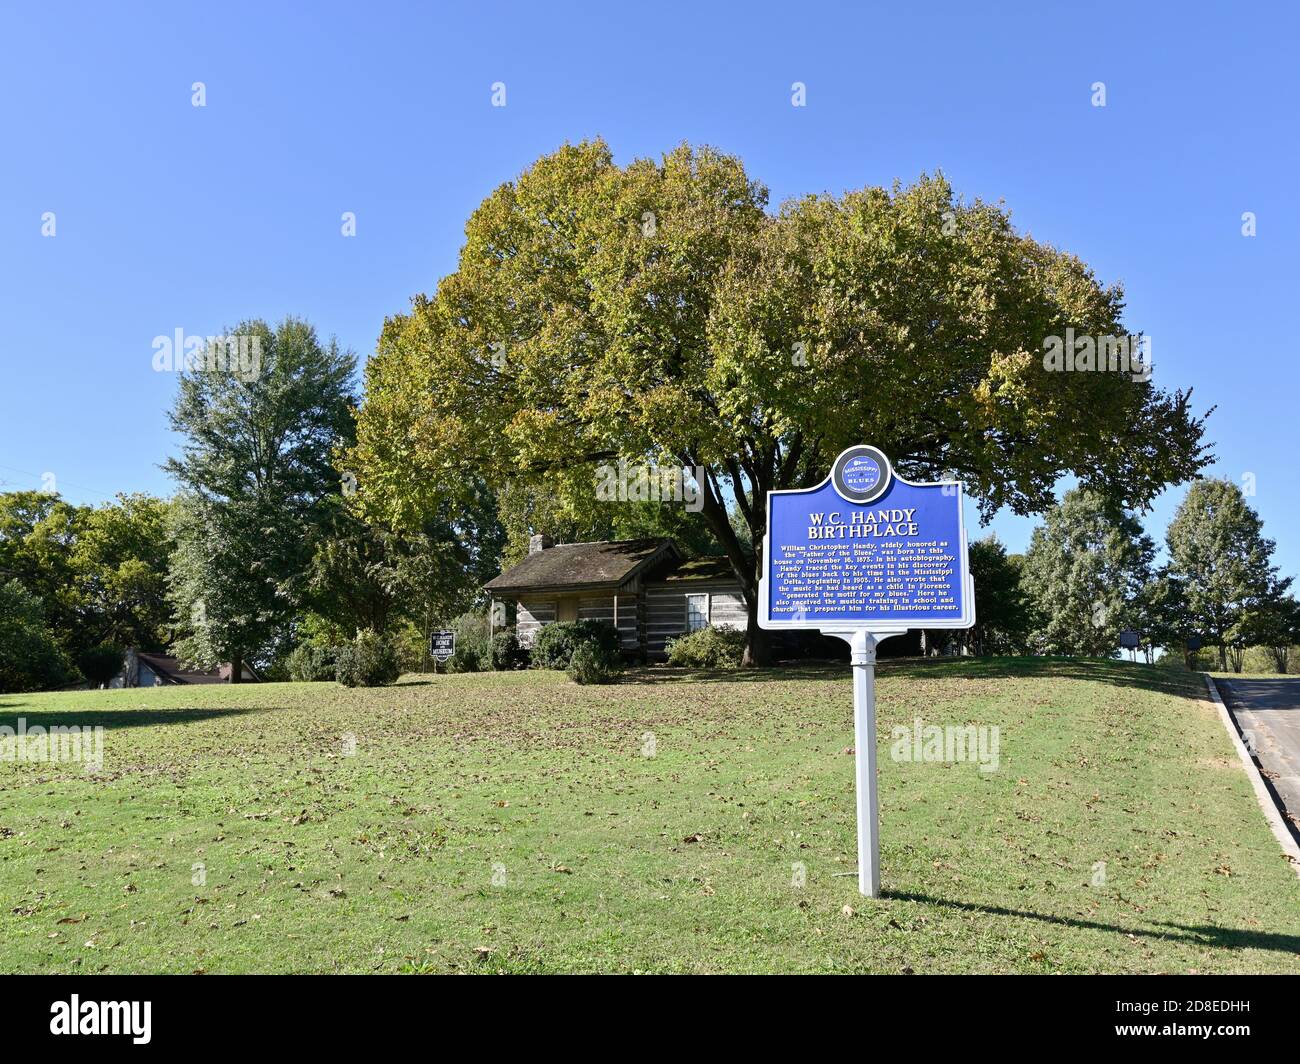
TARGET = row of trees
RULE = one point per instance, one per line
(75, 580)
(656, 313)
(260, 550)
(271, 551)
(263, 549)
(1090, 573)
(79, 583)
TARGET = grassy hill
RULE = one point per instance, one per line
(514, 822)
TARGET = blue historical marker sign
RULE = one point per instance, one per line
(866, 550)
(863, 556)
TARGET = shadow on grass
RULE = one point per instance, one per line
(118, 718)
(1095, 670)
(671, 674)
(1191, 934)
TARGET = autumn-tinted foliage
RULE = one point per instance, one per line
(658, 312)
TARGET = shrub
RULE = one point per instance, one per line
(592, 663)
(370, 660)
(308, 663)
(277, 670)
(100, 664)
(473, 648)
(473, 651)
(411, 645)
(508, 653)
(555, 643)
(472, 655)
(345, 666)
(709, 648)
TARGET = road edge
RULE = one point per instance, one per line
(1262, 795)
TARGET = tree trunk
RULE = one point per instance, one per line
(236, 668)
(715, 516)
(760, 468)
(758, 641)
(1223, 658)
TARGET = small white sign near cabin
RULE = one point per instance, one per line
(442, 645)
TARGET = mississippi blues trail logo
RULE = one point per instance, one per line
(861, 474)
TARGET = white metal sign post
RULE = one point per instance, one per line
(862, 646)
(863, 556)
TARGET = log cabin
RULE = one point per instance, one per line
(645, 588)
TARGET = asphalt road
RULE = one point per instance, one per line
(1267, 710)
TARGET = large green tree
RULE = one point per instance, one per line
(119, 564)
(1220, 555)
(1275, 626)
(366, 575)
(98, 571)
(38, 533)
(255, 470)
(1003, 617)
(1085, 569)
(658, 312)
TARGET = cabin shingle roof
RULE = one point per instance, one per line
(707, 568)
(582, 565)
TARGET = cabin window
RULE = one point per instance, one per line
(697, 612)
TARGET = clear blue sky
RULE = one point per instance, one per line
(170, 216)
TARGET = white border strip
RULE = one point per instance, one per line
(1266, 803)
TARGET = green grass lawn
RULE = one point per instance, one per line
(513, 822)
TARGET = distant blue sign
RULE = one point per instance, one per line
(866, 550)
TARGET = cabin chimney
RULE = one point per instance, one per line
(539, 542)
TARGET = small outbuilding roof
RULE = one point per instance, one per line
(171, 670)
(574, 566)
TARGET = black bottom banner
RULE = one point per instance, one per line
(342, 1012)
